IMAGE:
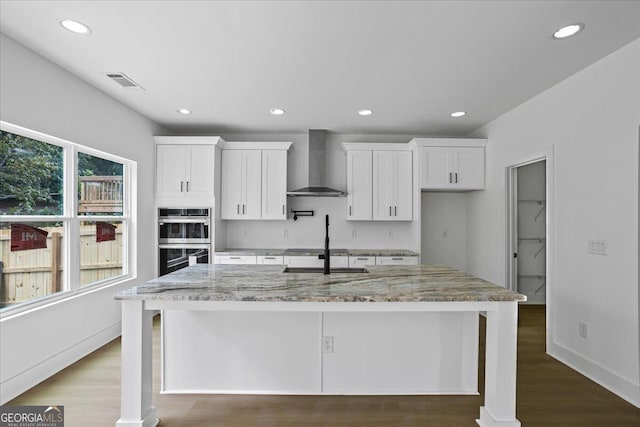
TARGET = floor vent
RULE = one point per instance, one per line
(124, 81)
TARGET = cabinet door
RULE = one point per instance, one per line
(383, 185)
(359, 185)
(252, 184)
(231, 185)
(435, 168)
(200, 160)
(402, 180)
(171, 161)
(274, 184)
(469, 167)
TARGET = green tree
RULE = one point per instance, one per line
(30, 176)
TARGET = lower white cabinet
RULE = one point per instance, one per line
(314, 261)
(361, 261)
(396, 260)
(235, 259)
(270, 259)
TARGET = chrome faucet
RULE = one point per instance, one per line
(327, 255)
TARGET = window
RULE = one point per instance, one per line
(64, 216)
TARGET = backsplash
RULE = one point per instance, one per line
(308, 232)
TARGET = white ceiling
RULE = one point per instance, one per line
(411, 62)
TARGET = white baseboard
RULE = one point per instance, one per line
(613, 382)
(28, 378)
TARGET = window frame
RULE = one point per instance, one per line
(71, 221)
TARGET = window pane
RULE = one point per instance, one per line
(31, 174)
(26, 271)
(100, 251)
(99, 186)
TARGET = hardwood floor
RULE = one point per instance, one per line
(549, 394)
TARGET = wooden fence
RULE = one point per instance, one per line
(100, 194)
(25, 275)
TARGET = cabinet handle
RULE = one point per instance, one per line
(187, 186)
(397, 259)
(395, 211)
(181, 186)
(349, 210)
(234, 257)
(269, 257)
(238, 209)
(389, 210)
(456, 178)
(243, 209)
(450, 178)
(282, 214)
(362, 259)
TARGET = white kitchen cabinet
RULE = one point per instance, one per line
(359, 185)
(452, 168)
(392, 185)
(241, 180)
(270, 259)
(396, 260)
(235, 259)
(254, 180)
(274, 184)
(308, 261)
(184, 171)
(361, 261)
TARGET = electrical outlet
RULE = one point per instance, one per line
(599, 247)
(583, 330)
(285, 233)
(354, 233)
(327, 344)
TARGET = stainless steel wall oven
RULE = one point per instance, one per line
(183, 238)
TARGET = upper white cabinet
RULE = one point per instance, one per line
(392, 185)
(359, 184)
(274, 184)
(254, 180)
(451, 164)
(185, 172)
(241, 184)
(379, 182)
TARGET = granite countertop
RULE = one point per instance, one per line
(421, 283)
(313, 252)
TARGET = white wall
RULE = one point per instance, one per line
(591, 122)
(308, 232)
(444, 229)
(39, 95)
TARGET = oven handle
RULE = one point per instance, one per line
(201, 220)
(185, 246)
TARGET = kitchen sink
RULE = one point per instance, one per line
(321, 270)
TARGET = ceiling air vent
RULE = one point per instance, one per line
(124, 81)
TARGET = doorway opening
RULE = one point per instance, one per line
(529, 231)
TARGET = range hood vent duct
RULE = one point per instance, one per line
(317, 171)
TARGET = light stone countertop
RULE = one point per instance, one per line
(262, 283)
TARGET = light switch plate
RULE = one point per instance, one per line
(599, 247)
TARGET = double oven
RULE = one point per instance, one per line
(184, 238)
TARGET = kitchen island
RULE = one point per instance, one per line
(393, 297)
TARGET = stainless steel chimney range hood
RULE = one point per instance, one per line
(317, 170)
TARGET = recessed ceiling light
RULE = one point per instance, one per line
(184, 111)
(277, 111)
(75, 26)
(458, 114)
(568, 31)
(365, 112)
